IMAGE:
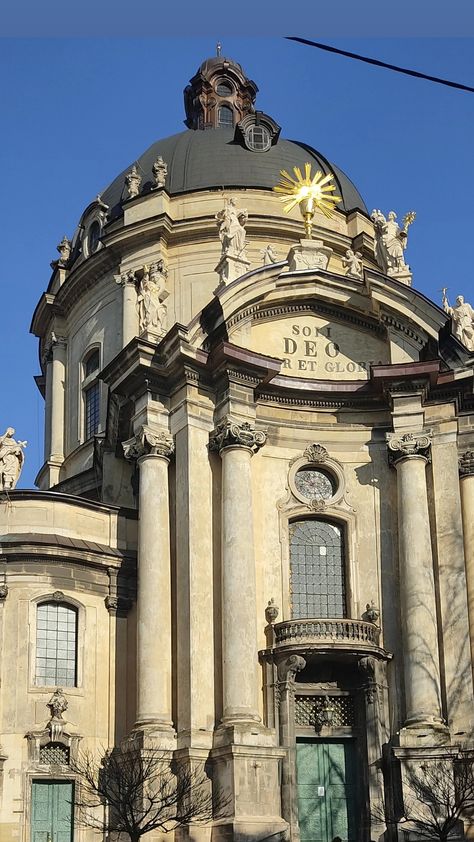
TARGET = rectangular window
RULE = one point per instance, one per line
(56, 637)
(92, 410)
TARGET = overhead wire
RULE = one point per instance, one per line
(416, 73)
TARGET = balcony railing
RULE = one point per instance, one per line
(344, 633)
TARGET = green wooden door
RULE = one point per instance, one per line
(327, 790)
(52, 811)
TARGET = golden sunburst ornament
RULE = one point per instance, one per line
(309, 192)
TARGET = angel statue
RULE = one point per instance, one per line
(11, 460)
(352, 263)
(391, 241)
(231, 223)
(462, 320)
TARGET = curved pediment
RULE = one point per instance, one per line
(321, 325)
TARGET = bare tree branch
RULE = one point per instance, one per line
(135, 791)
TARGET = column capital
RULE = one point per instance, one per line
(230, 433)
(408, 446)
(149, 441)
(466, 464)
(126, 278)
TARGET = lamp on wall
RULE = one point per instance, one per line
(324, 713)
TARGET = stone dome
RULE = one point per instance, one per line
(216, 159)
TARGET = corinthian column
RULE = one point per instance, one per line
(466, 473)
(153, 449)
(409, 454)
(236, 444)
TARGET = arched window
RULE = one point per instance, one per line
(225, 117)
(317, 575)
(91, 393)
(224, 89)
(56, 645)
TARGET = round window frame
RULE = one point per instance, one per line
(249, 142)
(331, 467)
(93, 225)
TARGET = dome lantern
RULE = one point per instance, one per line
(219, 95)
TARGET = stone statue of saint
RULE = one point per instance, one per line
(11, 460)
(133, 181)
(390, 241)
(152, 293)
(231, 223)
(462, 320)
(160, 171)
(352, 263)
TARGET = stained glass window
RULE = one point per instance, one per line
(92, 410)
(56, 645)
(317, 580)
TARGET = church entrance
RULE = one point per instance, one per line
(52, 804)
(327, 790)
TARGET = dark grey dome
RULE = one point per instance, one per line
(213, 159)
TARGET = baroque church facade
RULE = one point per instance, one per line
(252, 542)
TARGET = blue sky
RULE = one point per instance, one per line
(76, 111)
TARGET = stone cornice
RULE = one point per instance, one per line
(409, 446)
(149, 441)
(231, 433)
(466, 464)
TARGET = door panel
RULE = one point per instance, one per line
(52, 811)
(327, 795)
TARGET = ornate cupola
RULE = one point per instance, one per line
(219, 95)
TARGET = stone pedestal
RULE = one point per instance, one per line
(231, 267)
(409, 454)
(153, 449)
(236, 444)
(309, 254)
(403, 275)
(466, 473)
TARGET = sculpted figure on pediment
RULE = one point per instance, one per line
(462, 320)
(391, 241)
(231, 222)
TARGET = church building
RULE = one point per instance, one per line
(252, 543)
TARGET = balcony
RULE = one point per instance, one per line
(325, 635)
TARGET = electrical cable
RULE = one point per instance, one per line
(379, 63)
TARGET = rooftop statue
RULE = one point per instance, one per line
(231, 222)
(391, 241)
(160, 171)
(11, 460)
(133, 181)
(462, 320)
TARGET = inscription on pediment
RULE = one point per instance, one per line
(315, 347)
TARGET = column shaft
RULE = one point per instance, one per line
(238, 588)
(467, 508)
(129, 311)
(419, 624)
(58, 372)
(154, 595)
(47, 407)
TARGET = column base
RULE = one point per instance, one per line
(151, 735)
(424, 733)
(244, 733)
